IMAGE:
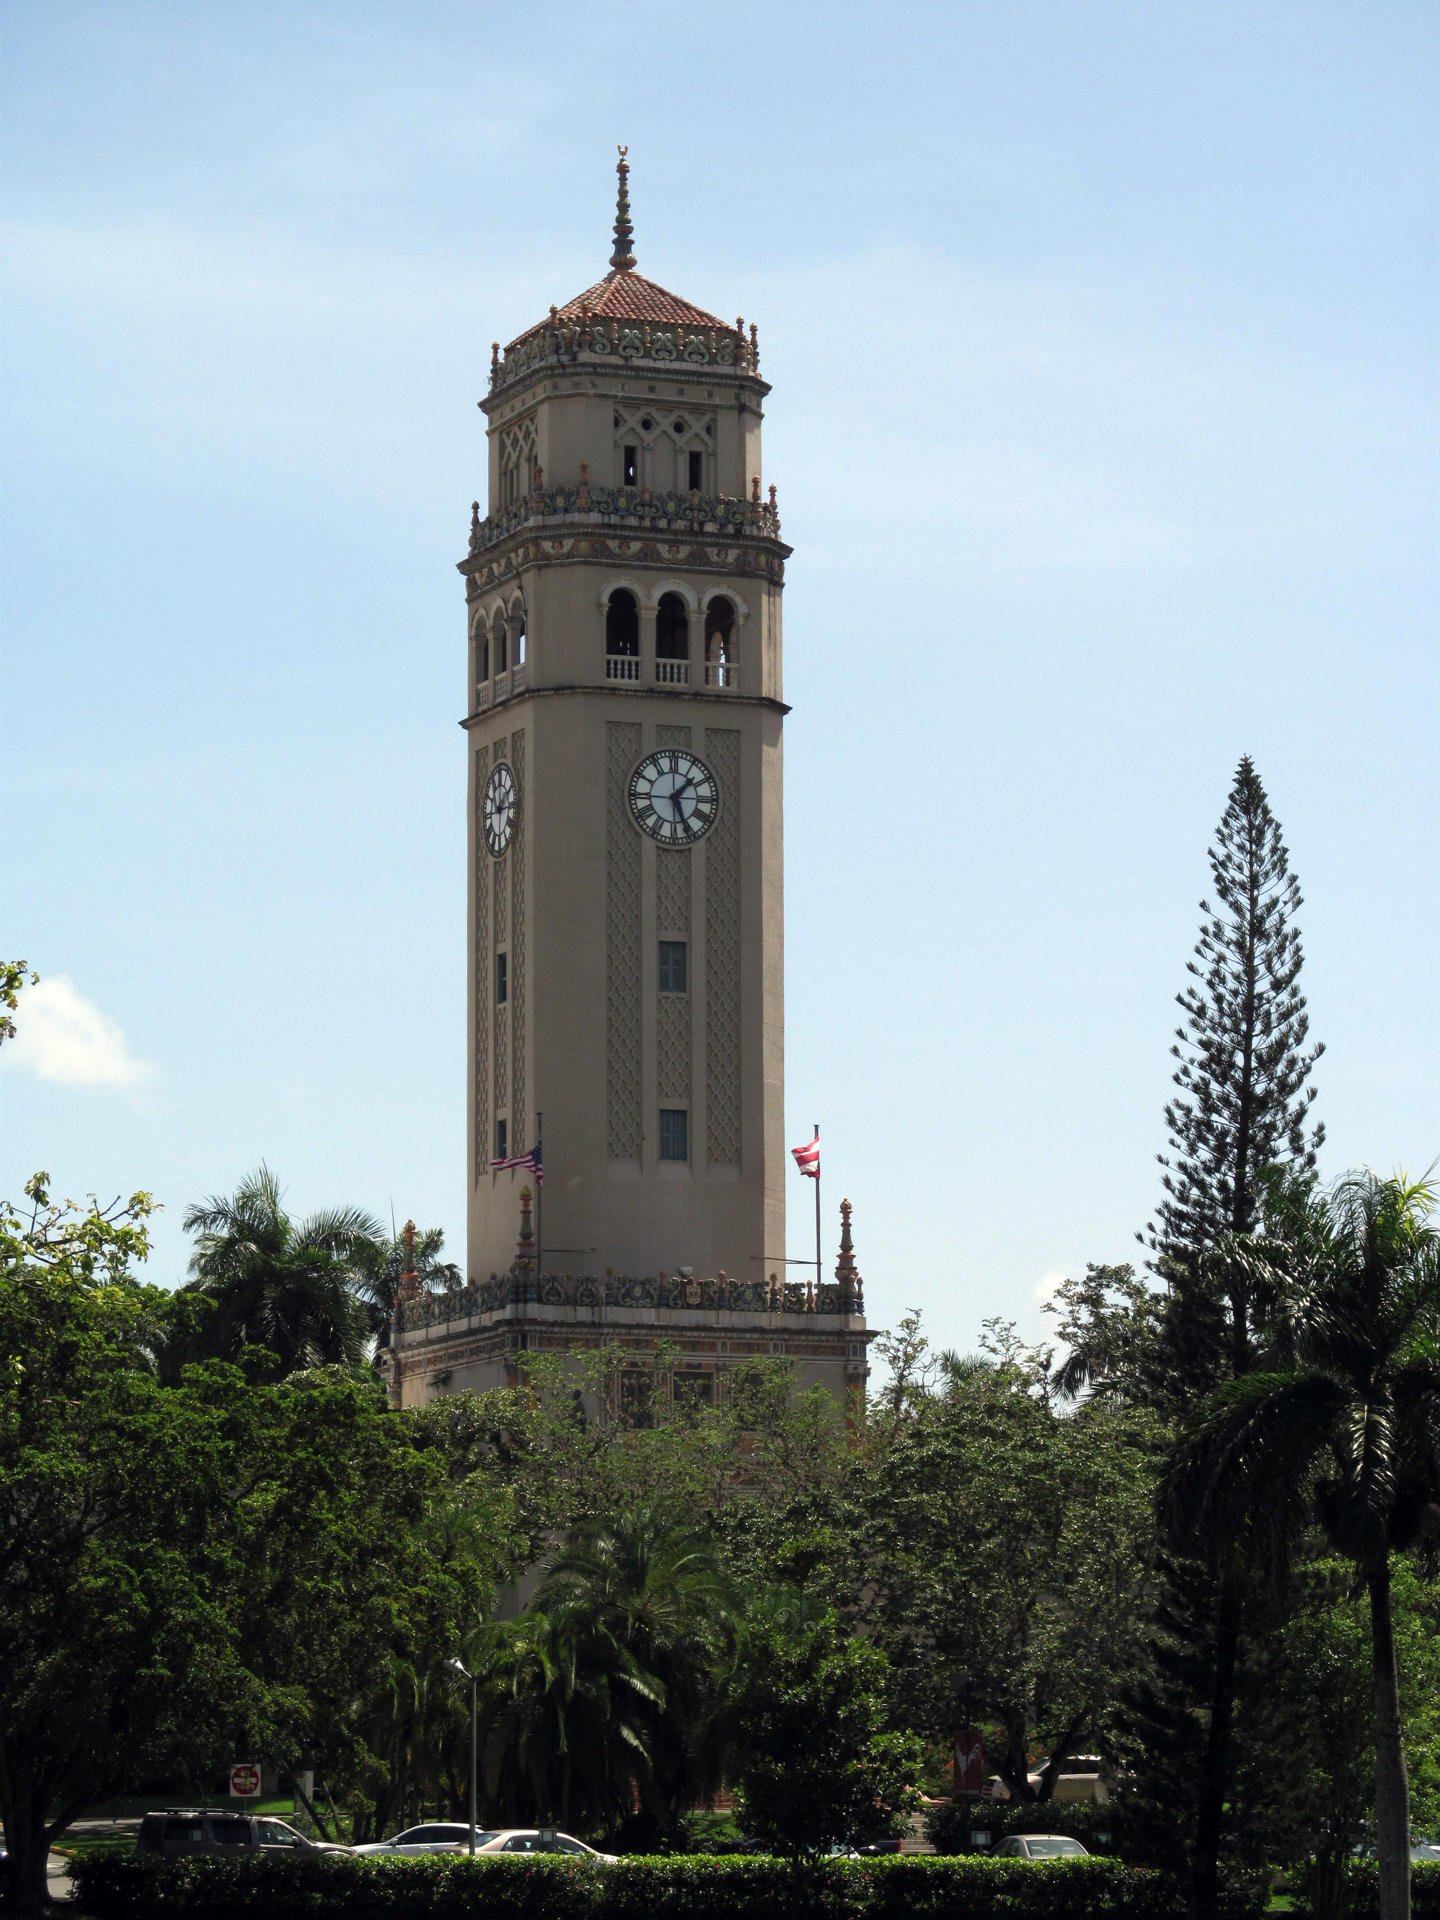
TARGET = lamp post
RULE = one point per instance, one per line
(465, 1674)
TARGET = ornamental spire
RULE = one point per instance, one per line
(623, 258)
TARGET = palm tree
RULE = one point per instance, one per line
(277, 1283)
(378, 1287)
(1341, 1419)
(638, 1602)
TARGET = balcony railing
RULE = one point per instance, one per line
(720, 673)
(622, 666)
(517, 677)
(673, 673)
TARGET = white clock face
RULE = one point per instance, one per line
(673, 797)
(502, 803)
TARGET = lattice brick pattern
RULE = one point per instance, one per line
(482, 973)
(501, 893)
(624, 1125)
(722, 954)
(672, 915)
(519, 1120)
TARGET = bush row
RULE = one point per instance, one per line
(685, 1887)
(1362, 1892)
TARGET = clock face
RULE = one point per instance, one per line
(501, 805)
(673, 797)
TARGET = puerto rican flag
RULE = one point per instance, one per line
(531, 1162)
(807, 1158)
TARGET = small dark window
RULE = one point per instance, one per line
(502, 978)
(502, 651)
(672, 969)
(679, 427)
(646, 424)
(622, 624)
(482, 657)
(617, 419)
(672, 629)
(502, 1138)
(697, 461)
(630, 467)
(674, 1133)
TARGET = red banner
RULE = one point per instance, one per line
(969, 1761)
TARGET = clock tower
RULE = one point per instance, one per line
(623, 715)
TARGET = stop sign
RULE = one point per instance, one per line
(245, 1781)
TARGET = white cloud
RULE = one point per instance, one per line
(1047, 1284)
(62, 1036)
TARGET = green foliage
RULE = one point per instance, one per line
(1362, 1892)
(12, 983)
(816, 1765)
(288, 1286)
(447, 1887)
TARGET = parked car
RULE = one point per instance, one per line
(217, 1830)
(537, 1840)
(1040, 1846)
(441, 1836)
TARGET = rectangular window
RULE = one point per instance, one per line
(502, 1139)
(635, 1398)
(696, 460)
(500, 649)
(502, 978)
(674, 1133)
(630, 467)
(672, 968)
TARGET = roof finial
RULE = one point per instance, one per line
(623, 258)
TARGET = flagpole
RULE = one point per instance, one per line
(540, 1198)
(817, 1219)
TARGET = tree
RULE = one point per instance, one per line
(642, 1592)
(12, 983)
(1341, 1420)
(113, 1645)
(276, 1283)
(377, 1286)
(1243, 1100)
(1004, 1553)
(817, 1765)
(1242, 1106)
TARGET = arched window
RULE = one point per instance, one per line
(517, 636)
(720, 643)
(622, 626)
(672, 629)
(500, 653)
(482, 653)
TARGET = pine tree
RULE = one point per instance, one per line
(1241, 1107)
(1243, 1099)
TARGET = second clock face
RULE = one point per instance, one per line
(501, 805)
(673, 797)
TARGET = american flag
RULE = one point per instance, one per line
(530, 1161)
(807, 1158)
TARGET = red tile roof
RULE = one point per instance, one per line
(630, 296)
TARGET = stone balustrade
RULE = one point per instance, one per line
(677, 1292)
(594, 342)
(638, 509)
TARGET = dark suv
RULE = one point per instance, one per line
(216, 1830)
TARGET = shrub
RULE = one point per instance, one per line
(1362, 1891)
(687, 1887)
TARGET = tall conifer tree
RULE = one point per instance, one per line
(1243, 1101)
(1242, 1106)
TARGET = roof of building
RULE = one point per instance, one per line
(624, 294)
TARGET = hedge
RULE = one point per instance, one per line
(688, 1886)
(1362, 1892)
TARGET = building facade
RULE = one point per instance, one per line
(624, 711)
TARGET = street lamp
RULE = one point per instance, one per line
(466, 1675)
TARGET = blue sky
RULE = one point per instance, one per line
(1103, 341)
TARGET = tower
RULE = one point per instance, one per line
(623, 719)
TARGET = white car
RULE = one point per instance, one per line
(536, 1840)
(1040, 1846)
(441, 1836)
